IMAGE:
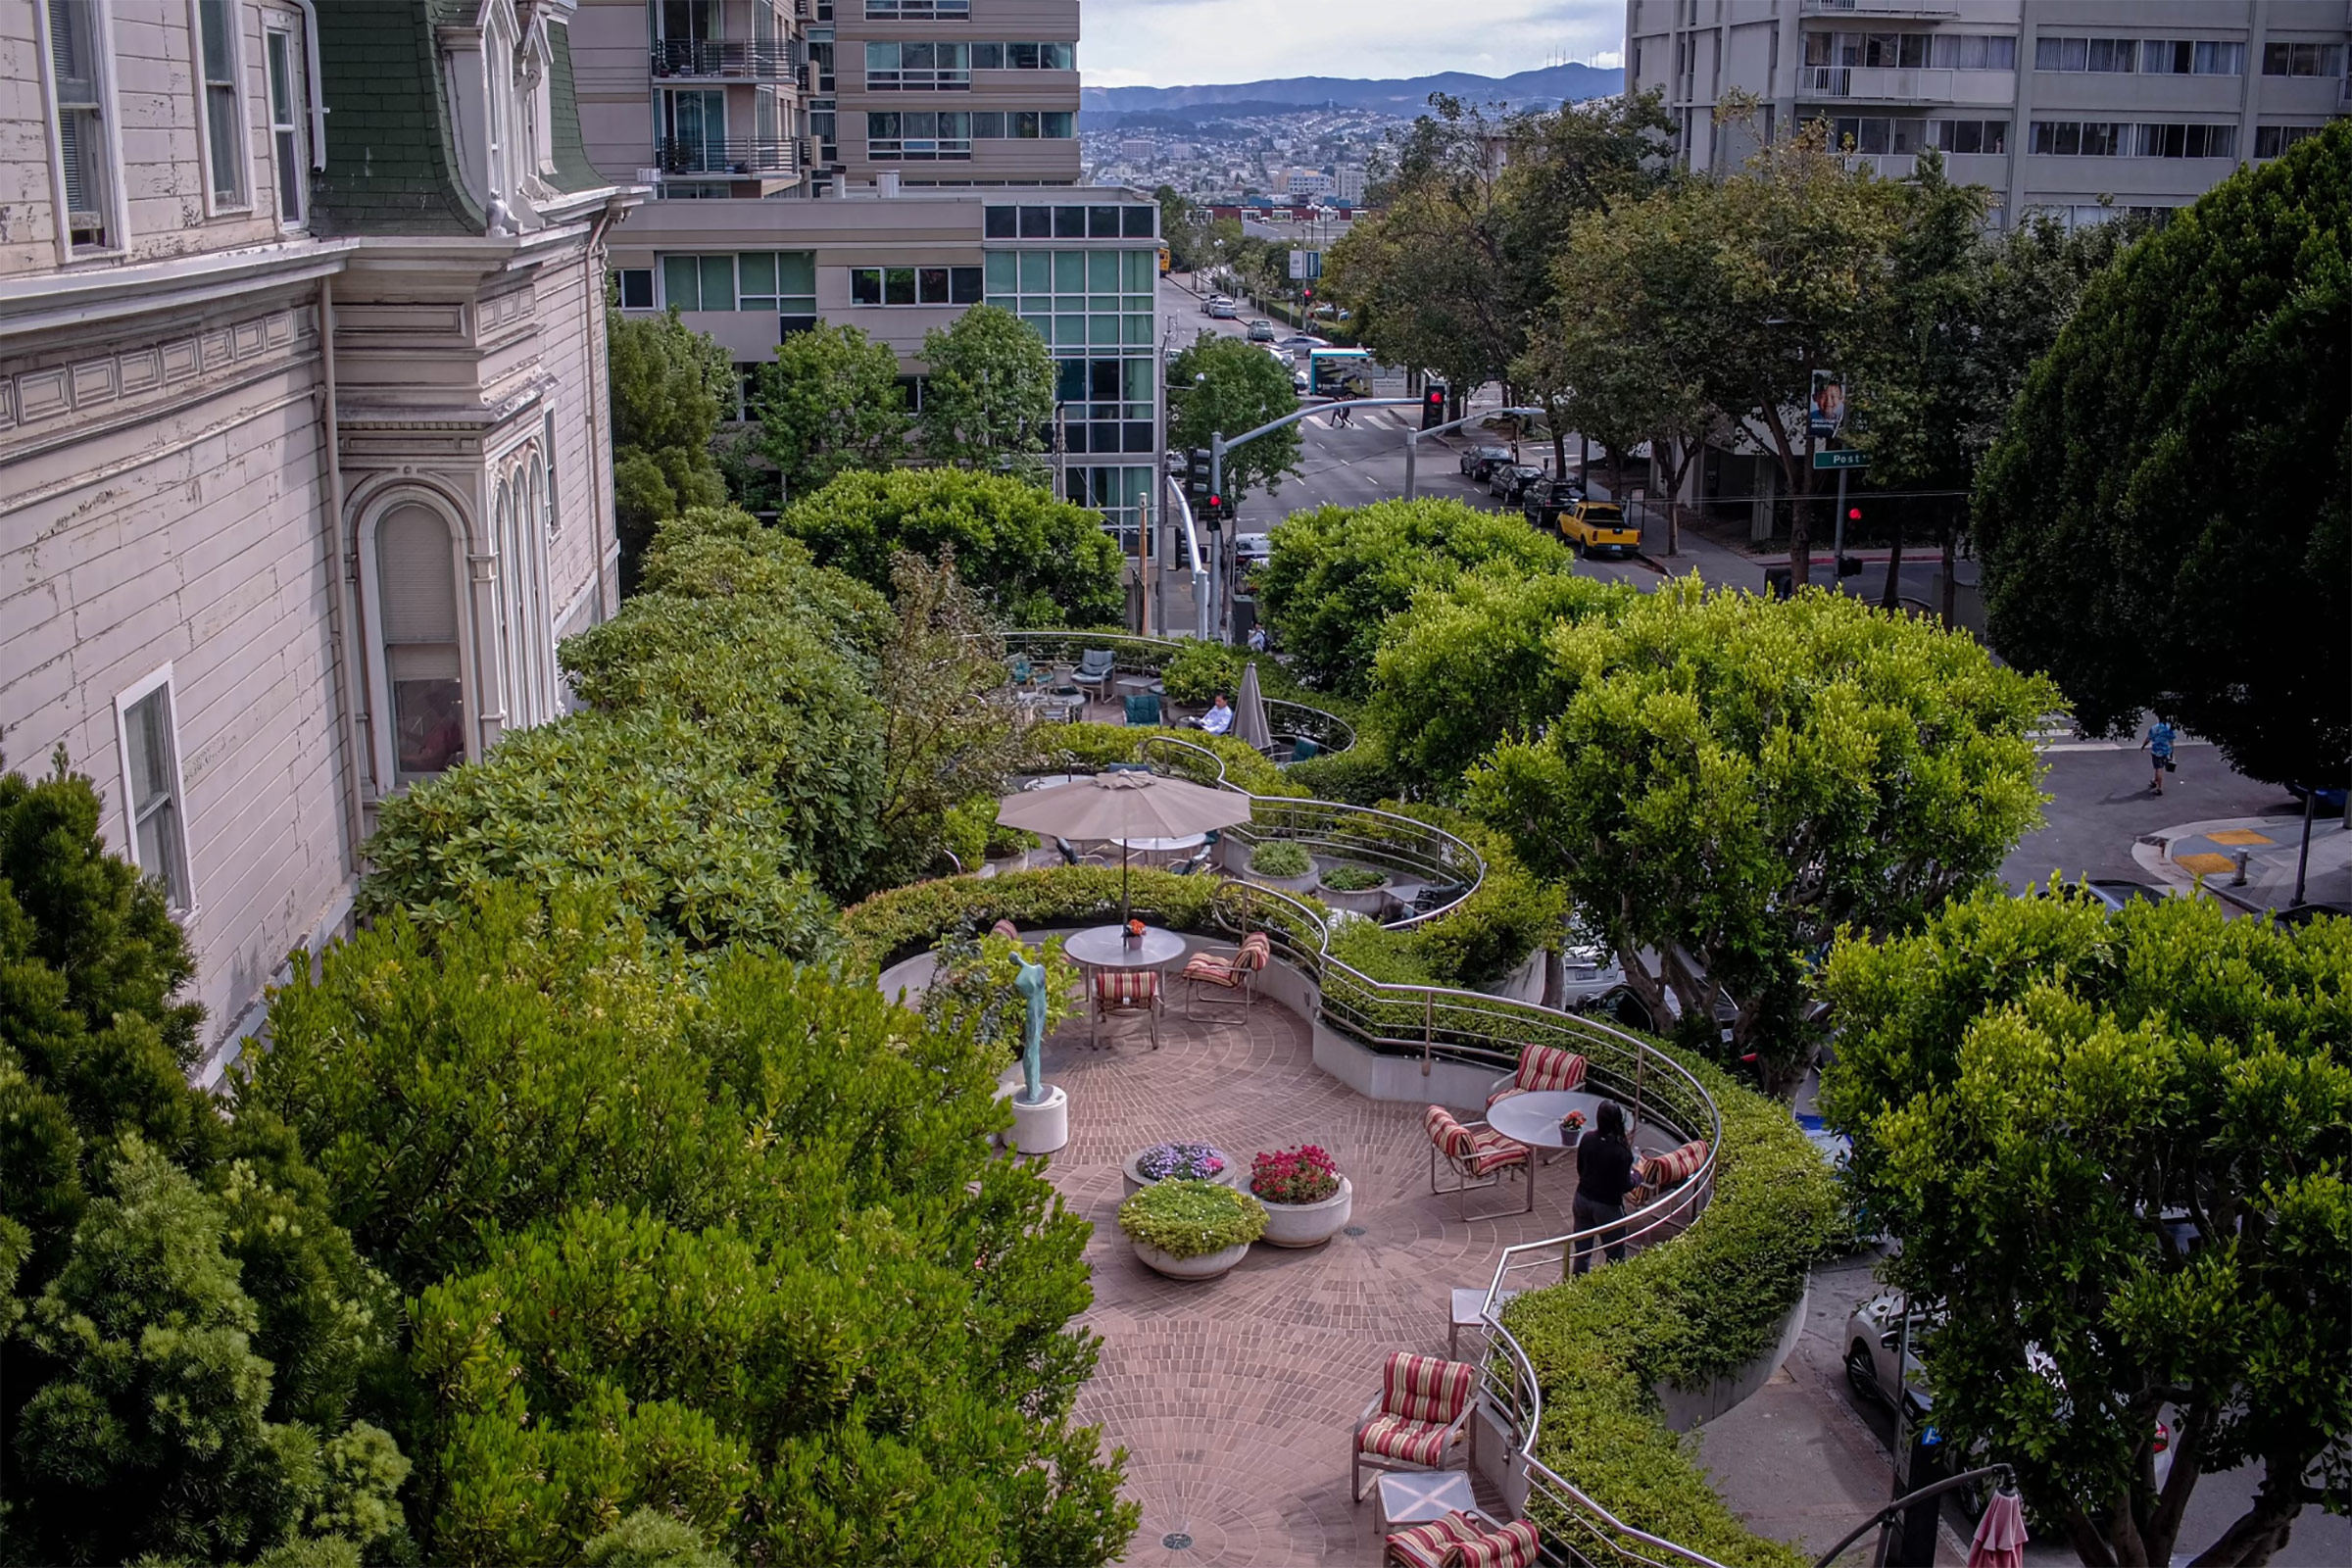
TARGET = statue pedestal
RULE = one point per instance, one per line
(1043, 1128)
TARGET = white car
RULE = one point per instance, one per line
(1208, 306)
(1252, 549)
(1222, 310)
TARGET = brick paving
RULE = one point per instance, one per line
(1235, 1397)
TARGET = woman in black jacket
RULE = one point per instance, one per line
(1605, 1174)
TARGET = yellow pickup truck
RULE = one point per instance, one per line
(1600, 528)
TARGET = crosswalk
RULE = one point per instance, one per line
(2056, 732)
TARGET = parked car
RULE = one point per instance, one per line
(1509, 481)
(1600, 528)
(1298, 383)
(1544, 502)
(1208, 306)
(1477, 460)
(1222, 310)
(1303, 343)
(1261, 330)
(1252, 549)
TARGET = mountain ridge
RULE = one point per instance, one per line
(1549, 84)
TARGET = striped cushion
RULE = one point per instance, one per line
(1664, 1170)
(1433, 1545)
(1256, 949)
(1424, 1387)
(1543, 1068)
(1126, 988)
(1393, 1436)
(1216, 970)
(1511, 1546)
(1006, 928)
(1478, 1151)
(1453, 1140)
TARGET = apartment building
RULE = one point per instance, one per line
(936, 169)
(2075, 107)
(303, 420)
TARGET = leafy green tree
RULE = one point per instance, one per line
(735, 1251)
(187, 1331)
(1225, 386)
(830, 402)
(1729, 781)
(2112, 1148)
(1033, 559)
(669, 387)
(2165, 521)
(988, 399)
(1338, 573)
(1183, 229)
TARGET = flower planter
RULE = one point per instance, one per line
(1366, 902)
(1205, 1267)
(1309, 1224)
(1136, 1181)
(1303, 882)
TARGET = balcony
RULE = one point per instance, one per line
(941, 81)
(918, 10)
(764, 159)
(1879, 8)
(724, 60)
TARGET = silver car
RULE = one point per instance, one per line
(1222, 310)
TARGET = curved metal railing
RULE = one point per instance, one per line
(1149, 656)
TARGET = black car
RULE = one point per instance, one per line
(1544, 502)
(1509, 481)
(1477, 460)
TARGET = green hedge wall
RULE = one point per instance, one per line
(1691, 1311)
(1094, 744)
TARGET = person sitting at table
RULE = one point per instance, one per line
(1605, 1174)
(1219, 717)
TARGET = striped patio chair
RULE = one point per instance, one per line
(1125, 991)
(1657, 1173)
(1435, 1545)
(1226, 979)
(1479, 1157)
(1416, 1421)
(1514, 1545)
(1541, 1068)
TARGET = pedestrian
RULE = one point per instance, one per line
(2159, 747)
(1605, 1174)
(1258, 637)
(1343, 417)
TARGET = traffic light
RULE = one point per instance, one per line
(1853, 513)
(1433, 406)
(1195, 478)
(1213, 511)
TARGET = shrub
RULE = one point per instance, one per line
(1058, 747)
(904, 921)
(1184, 1162)
(1301, 1175)
(1354, 879)
(972, 992)
(1281, 858)
(1199, 670)
(1192, 1219)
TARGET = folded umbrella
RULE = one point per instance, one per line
(1249, 712)
(1124, 805)
(2000, 1538)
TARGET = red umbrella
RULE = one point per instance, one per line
(2000, 1539)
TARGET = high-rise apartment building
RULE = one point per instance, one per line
(2076, 107)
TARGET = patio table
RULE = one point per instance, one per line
(1159, 852)
(1534, 1119)
(1105, 946)
(1415, 1497)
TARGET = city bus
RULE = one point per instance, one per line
(1339, 374)
(1163, 261)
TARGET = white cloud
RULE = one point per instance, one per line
(1169, 43)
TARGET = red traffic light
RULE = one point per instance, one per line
(1853, 513)
(1216, 502)
(1434, 398)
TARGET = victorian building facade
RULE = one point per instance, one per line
(303, 424)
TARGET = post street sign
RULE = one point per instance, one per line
(1841, 458)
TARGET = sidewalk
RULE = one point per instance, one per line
(2207, 853)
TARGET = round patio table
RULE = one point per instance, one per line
(1159, 852)
(1105, 946)
(1534, 1118)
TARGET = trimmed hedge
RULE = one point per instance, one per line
(1094, 744)
(1689, 1312)
(904, 921)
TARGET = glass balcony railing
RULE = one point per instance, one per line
(710, 156)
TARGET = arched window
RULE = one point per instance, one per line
(419, 592)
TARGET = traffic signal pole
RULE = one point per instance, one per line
(1412, 441)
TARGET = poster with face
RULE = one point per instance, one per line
(1828, 402)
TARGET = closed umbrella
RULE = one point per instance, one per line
(1124, 805)
(2000, 1539)
(1249, 712)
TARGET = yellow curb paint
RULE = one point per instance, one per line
(2205, 865)
(2240, 835)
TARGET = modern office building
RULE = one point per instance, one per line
(302, 412)
(2077, 106)
(932, 164)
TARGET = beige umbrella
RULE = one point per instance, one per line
(1249, 712)
(1127, 805)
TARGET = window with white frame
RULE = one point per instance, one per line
(417, 592)
(152, 793)
(290, 143)
(78, 85)
(223, 102)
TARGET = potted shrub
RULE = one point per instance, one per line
(1357, 888)
(1178, 1162)
(1281, 863)
(1191, 1230)
(1307, 1200)
(1008, 847)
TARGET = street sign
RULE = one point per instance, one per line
(1844, 458)
(1307, 265)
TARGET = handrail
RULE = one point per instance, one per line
(1149, 656)
(1878, 1521)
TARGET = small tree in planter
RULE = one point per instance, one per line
(1307, 1200)
(1280, 863)
(1191, 1230)
(1358, 888)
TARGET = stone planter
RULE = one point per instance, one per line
(1309, 1224)
(1136, 1181)
(1004, 865)
(1304, 884)
(1366, 902)
(1205, 1267)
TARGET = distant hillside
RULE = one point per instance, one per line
(1548, 86)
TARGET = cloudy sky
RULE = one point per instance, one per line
(1170, 43)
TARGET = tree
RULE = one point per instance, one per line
(1183, 229)
(1338, 573)
(830, 402)
(1730, 780)
(2165, 521)
(1227, 385)
(184, 1331)
(988, 399)
(669, 387)
(1033, 559)
(734, 1249)
(2113, 1149)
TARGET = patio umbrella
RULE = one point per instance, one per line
(1123, 805)
(1249, 712)
(2000, 1540)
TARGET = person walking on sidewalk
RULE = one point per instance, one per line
(2159, 747)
